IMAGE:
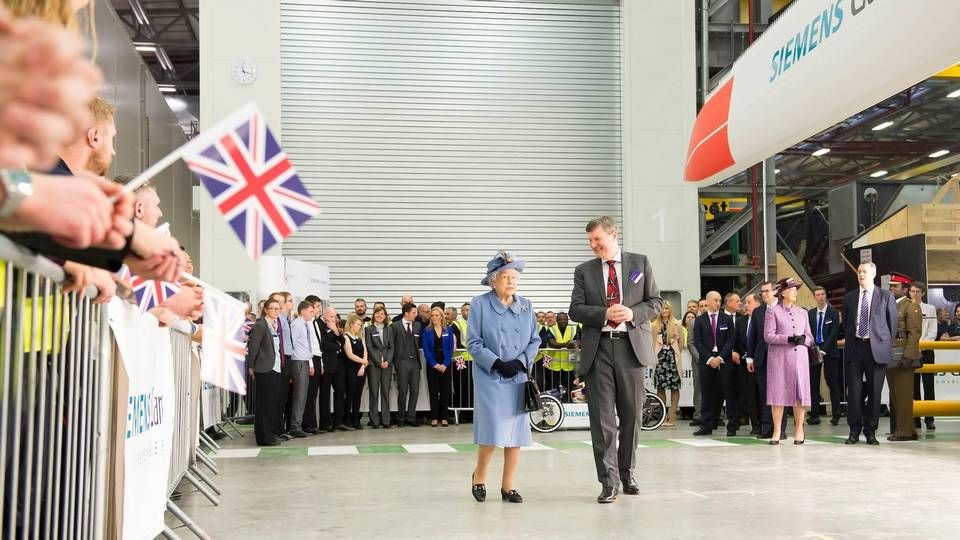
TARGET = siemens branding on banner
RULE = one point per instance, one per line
(819, 29)
(144, 411)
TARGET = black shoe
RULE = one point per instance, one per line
(719, 424)
(479, 490)
(344, 427)
(814, 421)
(872, 440)
(274, 442)
(795, 441)
(900, 438)
(298, 434)
(852, 439)
(775, 443)
(931, 426)
(630, 487)
(511, 496)
(376, 426)
(411, 423)
(313, 431)
(765, 435)
(783, 436)
(702, 431)
(755, 431)
(608, 495)
(370, 423)
(835, 420)
(731, 432)
(695, 422)
(916, 423)
(285, 436)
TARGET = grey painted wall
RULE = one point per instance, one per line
(147, 129)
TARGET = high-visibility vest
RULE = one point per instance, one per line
(562, 360)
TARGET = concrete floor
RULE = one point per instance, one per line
(742, 490)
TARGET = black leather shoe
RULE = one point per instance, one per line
(411, 423)
(795, 441)
(813, 421)
(511, 496)
(775, 442)
(271, 443)
(285, 436)
(344, 427)
(783, 436)
(313, 431)
(872, 440)
(298, 434)
(703, 431)
(852, 439)
(931, 427)
(755, 431)
(376, 426)
(630, 487)
(608, 495)
(900, 438)
(479, 490)
(835, 420)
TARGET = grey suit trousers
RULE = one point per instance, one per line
(299, 372)
(408, 385)
(615, 390)
(378, 384)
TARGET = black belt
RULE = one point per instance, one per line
(615, 335)
(863, 339)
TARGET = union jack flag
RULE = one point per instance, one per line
(547, 360)
(460, 363)
(148, 294)
(252, 182)
(224, 352)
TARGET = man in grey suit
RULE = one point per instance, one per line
(614, 297)
(870, 326)
(405, 334)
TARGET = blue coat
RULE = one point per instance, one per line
(429, 347)
(498, 332)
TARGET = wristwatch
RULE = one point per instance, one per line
(17, 185)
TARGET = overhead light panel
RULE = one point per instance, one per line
(878, 174)
(139, 13)
(954, 94)
(882, 125)
(821, 152)
(164, 60)
(143, 46)
(939, 153)
(167, 88)
(776, 171)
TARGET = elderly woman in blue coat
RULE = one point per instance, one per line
(502, 338)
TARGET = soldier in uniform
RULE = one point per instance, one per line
(900, 369)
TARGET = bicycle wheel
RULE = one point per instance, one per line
(549, 417)
(654, 412)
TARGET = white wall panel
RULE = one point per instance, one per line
(435, 132)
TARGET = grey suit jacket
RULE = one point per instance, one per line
(588, 306)
(261, 355)
(379, 346)
(404, 346)
(883, 323)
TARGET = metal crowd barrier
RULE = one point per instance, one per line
(57, 398)
(55, 381)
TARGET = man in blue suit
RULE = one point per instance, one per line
(870, 326)
(825, 325)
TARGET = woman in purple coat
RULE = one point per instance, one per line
(786, 329)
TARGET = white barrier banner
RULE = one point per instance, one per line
(145, 351)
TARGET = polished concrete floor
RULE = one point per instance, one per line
(414, 483)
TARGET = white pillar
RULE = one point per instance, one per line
(660, 212)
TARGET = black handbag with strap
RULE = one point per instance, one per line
(531, 394)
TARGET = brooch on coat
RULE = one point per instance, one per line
(524, 308)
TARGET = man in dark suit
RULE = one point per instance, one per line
(263, 363)
(870, 326)
(746, 379)
(406, 359)
(825, 327)
(715, 338)
(334, 374)
(757, 360)
(614, 297)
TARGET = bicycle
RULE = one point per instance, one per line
(549, 417)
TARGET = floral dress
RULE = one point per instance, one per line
(666, 376)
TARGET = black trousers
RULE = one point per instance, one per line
(747, 394)
(332, 383)
(716, 386)
(766, 413)
(310, 414)
(283, 398)
(815, 374)
(439, 385)
(462, 395)
(266, 419)
(927, 384)
(353, 391)
(833, 371)
(860, 366)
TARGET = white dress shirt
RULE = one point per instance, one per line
(314, 339)
(929, 312)
(860, 300)
(618, 265)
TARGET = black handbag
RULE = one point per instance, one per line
(531, 395)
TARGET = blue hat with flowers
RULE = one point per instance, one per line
(502, 261)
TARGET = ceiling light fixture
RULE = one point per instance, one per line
(821, 152)
(143, 46)
(878, 174)
(939, 153)
(167, 88)
(882, 125)
(954, 94)
(776, 171)
(139, 13)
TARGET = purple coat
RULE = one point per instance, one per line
(788, 366)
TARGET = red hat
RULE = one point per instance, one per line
(897, 277)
